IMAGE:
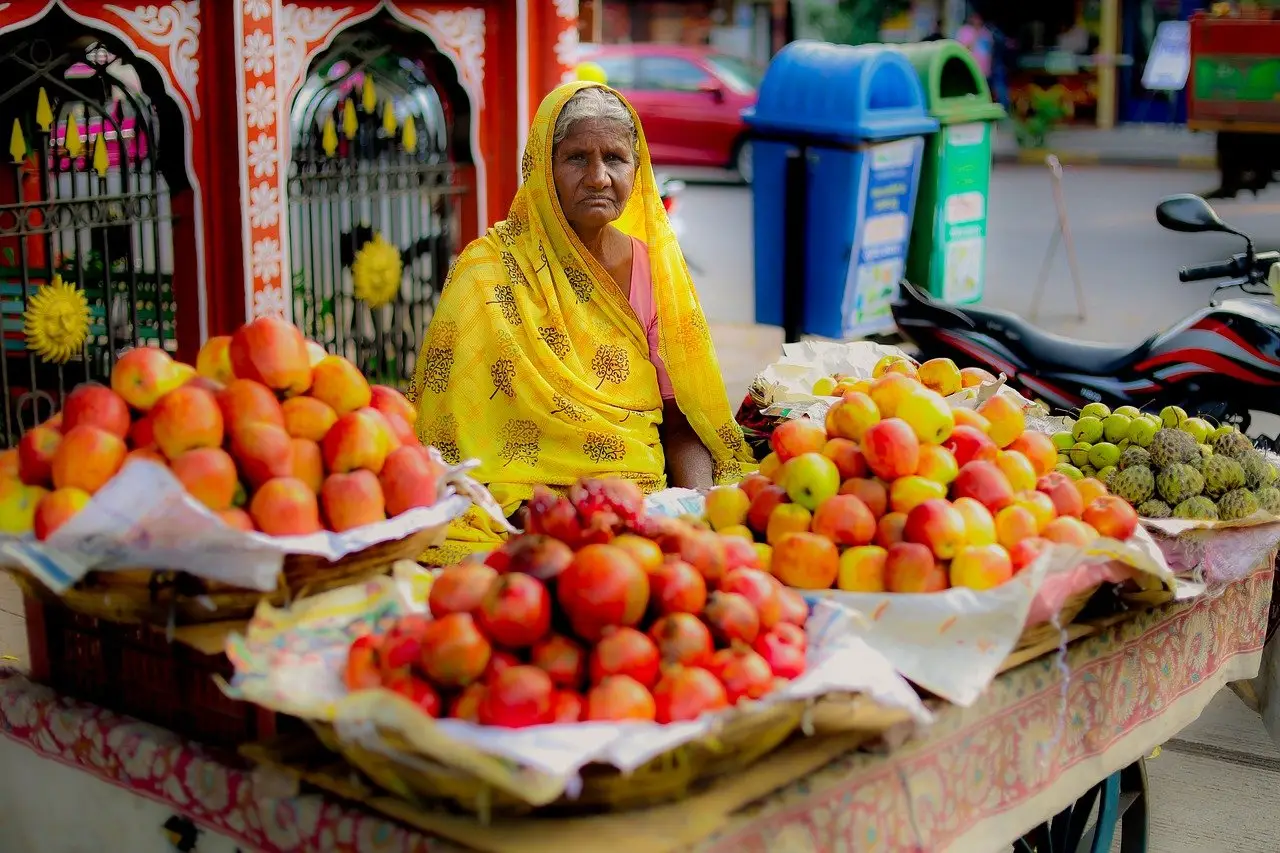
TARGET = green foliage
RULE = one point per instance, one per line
(854, 21)
(1037, 116)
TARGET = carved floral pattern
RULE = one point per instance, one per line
(459, 35)
(175, 26)
(302, 29)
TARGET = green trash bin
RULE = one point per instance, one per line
(949, 233)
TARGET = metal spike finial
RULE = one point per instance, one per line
(44, 113)
(329, 137)
(73, 141)
(369, 96)
(409, 136)
(17, 143)
(349, 124)
(389, 117)
(100, 159)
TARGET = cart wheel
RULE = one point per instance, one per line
(1080, 828)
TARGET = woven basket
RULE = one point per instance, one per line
(744, 739)
(144, 596)
(1034, 635)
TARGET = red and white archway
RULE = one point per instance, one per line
(507, 53)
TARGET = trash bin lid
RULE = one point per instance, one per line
(815, 89)
(954, 88)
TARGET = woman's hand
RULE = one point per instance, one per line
(689, 464)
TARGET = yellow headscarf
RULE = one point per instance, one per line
(536, 364)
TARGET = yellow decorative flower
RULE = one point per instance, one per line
(56, 321)
(376, 272)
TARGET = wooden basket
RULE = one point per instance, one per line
(743, 740)
(143, 596)
(1035, 635)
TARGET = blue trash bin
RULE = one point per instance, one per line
(837, 140)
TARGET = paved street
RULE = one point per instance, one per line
(1216, 788)
(1128, 263)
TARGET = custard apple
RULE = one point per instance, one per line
(1179, 482)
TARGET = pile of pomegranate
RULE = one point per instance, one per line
(596, 613)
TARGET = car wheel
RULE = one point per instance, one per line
(743, 162)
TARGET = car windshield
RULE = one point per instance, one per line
(741, 75)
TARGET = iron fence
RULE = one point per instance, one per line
(83, 203)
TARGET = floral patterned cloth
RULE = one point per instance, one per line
(1040, 736)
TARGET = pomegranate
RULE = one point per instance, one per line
(416, 691)
(784, 657)
(519, 697)
(562, 659)
(703, 550)
(794, 608)
(677, 587)
(402, 644)
(499, 660)
(554, 516)
(739, 553)
(454, 652)
(646, 552)
(607, 507)
(791, 634)
(460, 589)
(533, 554)
(744, 673)
(661, 529)
(619, 697)
(686, 693)
(758, 588)
(682, 638)
(466, 705)
(566, 707)
(625, 651)
(732, 618)
(516, 611)
(362, 669)
(603, 586)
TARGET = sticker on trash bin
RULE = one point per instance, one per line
(890, 173)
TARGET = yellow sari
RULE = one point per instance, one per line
(536, 365)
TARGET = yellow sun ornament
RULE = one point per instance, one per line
(56, 321)
(376, 272)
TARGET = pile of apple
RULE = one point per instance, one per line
(899, 492)
(267, 430)
(597, 614)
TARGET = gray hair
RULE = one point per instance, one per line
(594, 103)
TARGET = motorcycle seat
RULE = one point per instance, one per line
(1039, 348)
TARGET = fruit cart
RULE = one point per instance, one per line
(908, 570)
(941, 790)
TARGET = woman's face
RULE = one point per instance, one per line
(594, 169)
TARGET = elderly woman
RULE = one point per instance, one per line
(569, 341)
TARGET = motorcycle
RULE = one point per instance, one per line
(1215, 363)
(670, 189)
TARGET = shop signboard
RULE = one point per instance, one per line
(890, 174)
(959, 259)
(1170, 60)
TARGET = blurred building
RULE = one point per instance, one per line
(751, 29)
(1090, 53)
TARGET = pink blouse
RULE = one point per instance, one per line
(642, 303)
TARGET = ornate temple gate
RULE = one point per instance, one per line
(86, 247)
(372, 201)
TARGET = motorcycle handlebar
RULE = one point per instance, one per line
(1201, 272)
(1235, 267)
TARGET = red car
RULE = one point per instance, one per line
(690, 100)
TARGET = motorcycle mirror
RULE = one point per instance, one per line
(1190, 214)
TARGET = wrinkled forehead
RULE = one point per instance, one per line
(596, 132)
